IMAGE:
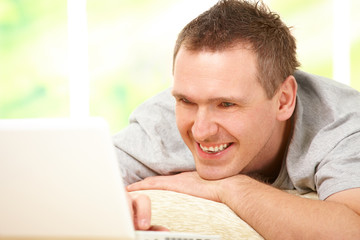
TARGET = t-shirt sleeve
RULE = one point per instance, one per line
(151, 144)
(340, 169)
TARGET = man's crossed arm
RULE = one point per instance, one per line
(271, 212)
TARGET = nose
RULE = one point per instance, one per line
(204, 127)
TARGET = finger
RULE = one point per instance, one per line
(129, 201)
(134, 187)
(141, 206)
(141, 185)
(158, 182)
(158, 228)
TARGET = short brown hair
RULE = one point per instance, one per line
(230, 22)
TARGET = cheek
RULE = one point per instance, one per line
(262, 124)
(183, 120)
(249, 127)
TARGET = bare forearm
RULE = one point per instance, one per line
(278, 215)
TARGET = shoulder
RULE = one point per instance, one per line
(311, 85)
(162, 100)
(159, 107)
(323, 152)
(324, 104)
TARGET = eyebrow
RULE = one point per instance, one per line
(241, 101)
(178, 95)
(215, 99)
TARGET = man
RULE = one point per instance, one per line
(254, 125)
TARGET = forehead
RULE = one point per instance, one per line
(232, 71)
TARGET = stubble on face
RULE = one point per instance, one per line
(223, 114)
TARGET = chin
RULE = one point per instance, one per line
(212, 173)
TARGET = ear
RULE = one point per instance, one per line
(286, 98)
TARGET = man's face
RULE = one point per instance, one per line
(223, 113)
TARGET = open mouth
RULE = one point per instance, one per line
(216, 148)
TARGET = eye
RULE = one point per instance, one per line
(227, 104)
(184, 100)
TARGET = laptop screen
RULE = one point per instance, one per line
(59, 178)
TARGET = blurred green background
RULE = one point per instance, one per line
(130, 45)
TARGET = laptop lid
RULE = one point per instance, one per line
(59, 179)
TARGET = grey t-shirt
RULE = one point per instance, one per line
(323, 154)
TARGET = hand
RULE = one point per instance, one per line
(187, 182)
(140, 210)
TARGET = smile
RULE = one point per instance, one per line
(215, 149)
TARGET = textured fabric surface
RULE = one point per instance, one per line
(184, 213)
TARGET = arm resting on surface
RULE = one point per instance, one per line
(271, 212)
(279, 215)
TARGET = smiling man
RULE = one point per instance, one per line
(250, 124)
(224, 114)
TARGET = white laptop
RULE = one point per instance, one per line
(59, 179)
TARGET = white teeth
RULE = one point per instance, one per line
(214, 149)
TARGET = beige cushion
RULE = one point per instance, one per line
(183, 213)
